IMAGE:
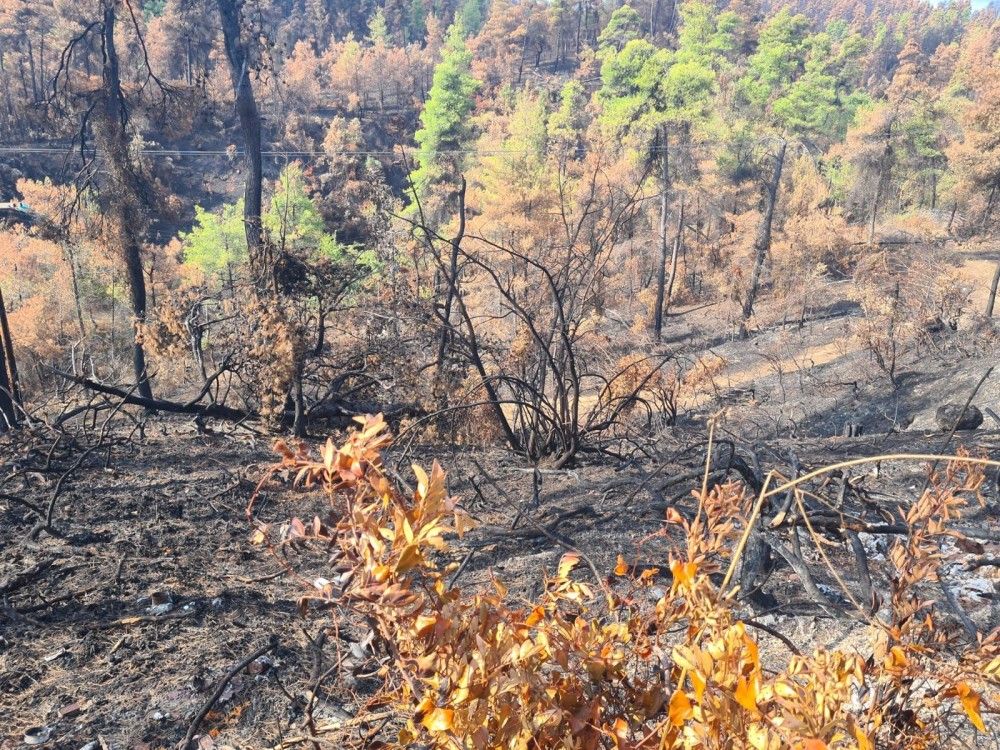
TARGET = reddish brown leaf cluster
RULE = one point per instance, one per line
(575, 670)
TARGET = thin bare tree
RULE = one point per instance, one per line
(762, 241)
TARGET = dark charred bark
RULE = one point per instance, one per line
(8, 100)
(31, 70)
(456, 246)
(8, 415)
(678, 240)
(250, 125)
(991, 302)
(885, 163)
(126, 199)
(213, 411)
(762, 243)
(8, 351)
(9, 394)
(300, 418)
(988, 211)
(661, 278)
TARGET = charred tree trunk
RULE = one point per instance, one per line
(31, 69)
(988, 212)
(8, 351)
(128, 200)
(23, 79)
(661, 278)
(300, 418)
(762, 243)
(74, 278)
(581, 21)
(672, 17)
(452, 280)
(246, 109)
(8, 415)
(678, 239)
(991, 302)
(8, 100)
(883, 173)
(10, 396)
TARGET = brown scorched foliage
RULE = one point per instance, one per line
(588, 666)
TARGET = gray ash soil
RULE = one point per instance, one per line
(83, 655)
(118, 630)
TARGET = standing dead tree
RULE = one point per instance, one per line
(452, 279)
(123, 190)
(238, 55)
(674, 253)
(127, 198)
(762, 241)
(661, 279)
(523, 327)
(992, 298)
(10, 395)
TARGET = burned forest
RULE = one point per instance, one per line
(523, 374)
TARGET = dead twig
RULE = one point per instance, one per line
(136, 619)
(203, 712)
(46, 603)
(774, 633)
(336, 726)
(882, 458)
(37, 510)
(954, 427)
(45, 524)
(461, 568)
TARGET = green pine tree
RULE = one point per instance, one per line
(292, 220)
(565, 125)
(471, 16)
(445, 127)
(779, 59)
(218, 240)
(624, 26)
(378, 29)
(416, 22)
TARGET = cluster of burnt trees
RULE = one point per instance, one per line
(113, 172)
(547, 293)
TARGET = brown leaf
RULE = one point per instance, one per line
(439, 720)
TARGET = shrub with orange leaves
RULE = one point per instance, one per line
(906, 301)
(642, 379)
(594, 665)
(38, 289)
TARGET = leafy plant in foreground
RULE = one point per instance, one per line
(589, 666)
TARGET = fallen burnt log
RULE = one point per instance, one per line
(339, 411)
(831, 512)
(213, 411)
(334, 411)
